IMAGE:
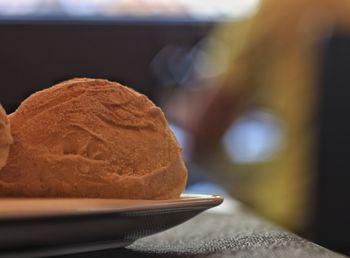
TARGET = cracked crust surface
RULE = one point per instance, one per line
(92, 138)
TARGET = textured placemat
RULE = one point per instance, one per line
(239, 234)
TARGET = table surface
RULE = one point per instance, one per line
(227, 231)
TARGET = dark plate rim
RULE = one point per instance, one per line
(185, 202)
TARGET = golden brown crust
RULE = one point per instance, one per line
(92, 138)
(5, 137)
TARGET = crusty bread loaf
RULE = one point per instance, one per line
(5, 137)
(92, 138)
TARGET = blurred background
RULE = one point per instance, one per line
(256, 91)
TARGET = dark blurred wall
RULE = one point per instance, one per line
(332, 210)
(37, 54)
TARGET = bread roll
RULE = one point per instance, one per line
(92, 138)
(5, 137)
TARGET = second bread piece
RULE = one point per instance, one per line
(5, 137)
(92, 138)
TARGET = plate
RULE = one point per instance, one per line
(47, 227)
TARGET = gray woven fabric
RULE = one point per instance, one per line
(240, 235)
